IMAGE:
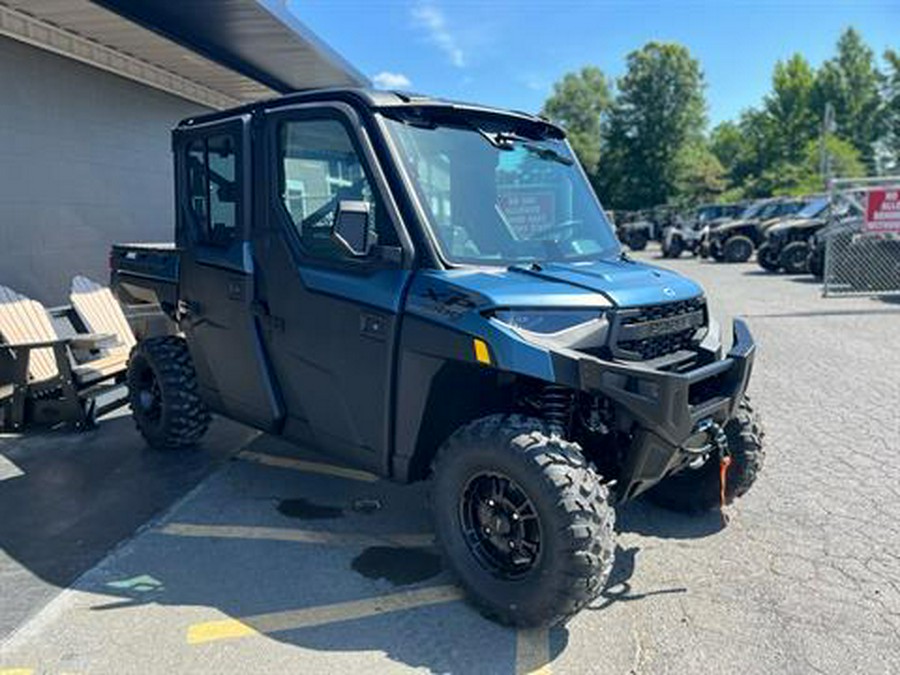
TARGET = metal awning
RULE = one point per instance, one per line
(219, 53)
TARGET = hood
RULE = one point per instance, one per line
(795, 223)
(726, 225)
(620, 282)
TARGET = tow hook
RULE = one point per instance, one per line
(721, 442)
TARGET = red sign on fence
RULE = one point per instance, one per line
(883, 211)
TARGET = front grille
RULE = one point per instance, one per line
(658, 330)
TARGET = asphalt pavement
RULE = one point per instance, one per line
(279, 561)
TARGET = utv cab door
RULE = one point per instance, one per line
(216, 289)
(332, 317)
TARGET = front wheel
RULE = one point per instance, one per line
(767, 258)
(698, 490)
(738, 249)
(522, 519)
(674, 249)
(794, 257)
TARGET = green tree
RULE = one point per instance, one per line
(726, 142)
(659, 109)
(578, 103)
(851, 83)
(700, 176)
(892, 114)
(805, 178)
(789, 106)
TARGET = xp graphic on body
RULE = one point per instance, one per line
(430, 290)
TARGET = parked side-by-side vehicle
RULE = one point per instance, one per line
(430, 290)
(736, 240)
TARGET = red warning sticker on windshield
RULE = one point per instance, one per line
(883, 211)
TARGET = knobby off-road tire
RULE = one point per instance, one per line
(697, 490)
(738, 249)
(794, 257)
(163, 393)
(569, 505)
(674, 249)
(767, 258)
(638, 242)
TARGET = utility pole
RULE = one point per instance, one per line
(824, 156)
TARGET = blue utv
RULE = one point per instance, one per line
(431, 290)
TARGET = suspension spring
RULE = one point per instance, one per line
(556, 405)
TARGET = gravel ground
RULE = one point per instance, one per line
(333, 573)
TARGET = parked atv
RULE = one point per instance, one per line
(430, 290)
(690, 233)
(787, 244)
(735, 241)
(637, 231)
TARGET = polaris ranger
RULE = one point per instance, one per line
(734, 241)
(786, 245)
(431, 290)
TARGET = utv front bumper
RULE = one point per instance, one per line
(670, 411)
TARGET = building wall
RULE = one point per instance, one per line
(84, 162)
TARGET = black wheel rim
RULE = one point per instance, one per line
(500, 525)
(148, 396)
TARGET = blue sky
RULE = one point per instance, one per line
(509, 53)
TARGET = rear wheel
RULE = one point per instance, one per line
(522, 519)
(738, 249)
(163, 393)
(698, 490)
(767, 258)
(637, 241)
(794, 257)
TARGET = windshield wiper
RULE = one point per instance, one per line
(548, 154)
(504, 140)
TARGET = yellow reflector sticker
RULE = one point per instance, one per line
(482, 354)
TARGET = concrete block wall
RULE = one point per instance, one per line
(84, 162)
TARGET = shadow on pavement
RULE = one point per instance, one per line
(618, 588)
(80, 494)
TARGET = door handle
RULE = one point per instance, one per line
(260, 309)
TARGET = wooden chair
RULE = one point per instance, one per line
(101, 313)
(42, 381)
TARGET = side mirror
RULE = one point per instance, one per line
(351, 228)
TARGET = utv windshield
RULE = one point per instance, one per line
(494, 196)
(813, 208)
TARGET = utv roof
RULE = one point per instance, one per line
(375, 99)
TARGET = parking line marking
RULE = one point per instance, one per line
(16, 671)
(307, 466)
(8, 470)
(297, 536)
(275, 622)
(533, 651)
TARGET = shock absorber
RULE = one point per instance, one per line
(556, 406)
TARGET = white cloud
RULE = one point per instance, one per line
(432, 19)
(388, 80)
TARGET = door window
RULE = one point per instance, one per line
(212, 188)
(319, 168)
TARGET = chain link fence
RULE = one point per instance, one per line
(858, 250)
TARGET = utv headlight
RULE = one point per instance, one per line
(572, 328)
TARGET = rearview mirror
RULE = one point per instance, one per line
(350, 229)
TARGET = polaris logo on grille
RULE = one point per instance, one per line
(674, 324)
